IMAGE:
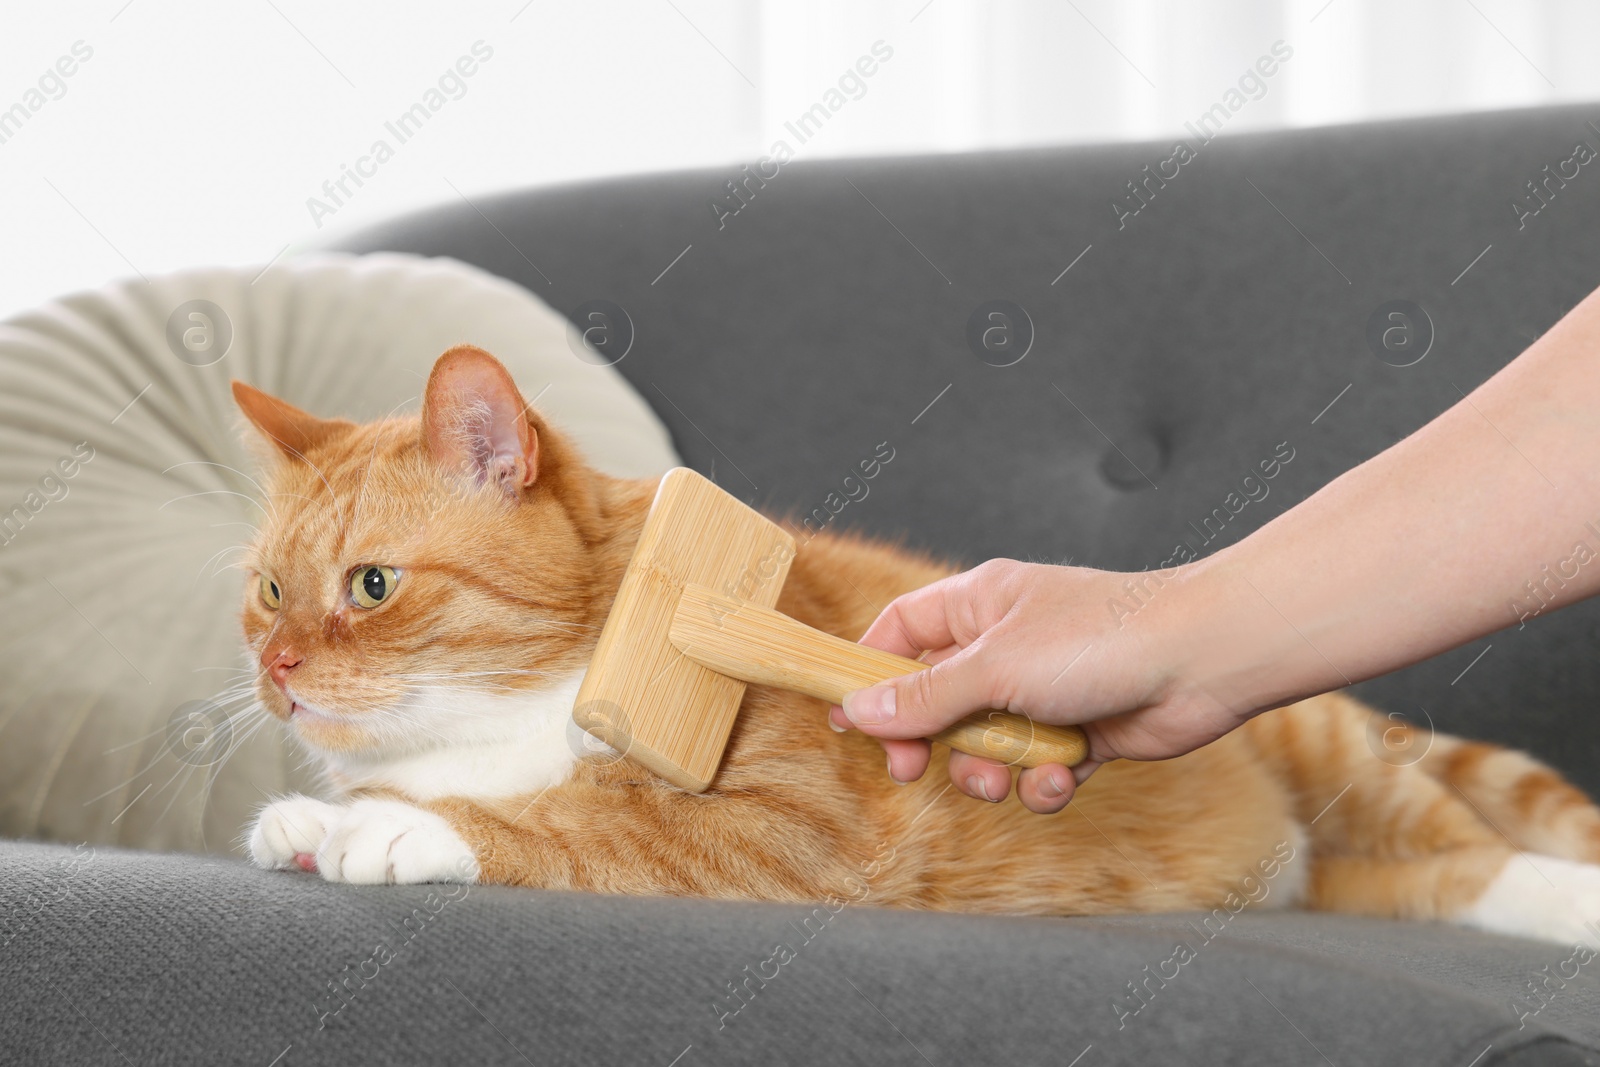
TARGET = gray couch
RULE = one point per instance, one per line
(1242, 307)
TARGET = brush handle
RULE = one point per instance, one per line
(766, 647)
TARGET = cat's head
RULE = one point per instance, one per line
(405, 569)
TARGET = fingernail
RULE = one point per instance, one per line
(870, 707)
(1051, 786)
(835, 727)
(892, 778)
(977, 784)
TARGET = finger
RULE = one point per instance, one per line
(1046, 789)
(980, 779)
(915, 621)
(922, 704)
(840, 722)
(908, 760)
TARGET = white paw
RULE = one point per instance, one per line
(289, 829)
(374, 842)
(1542, 897)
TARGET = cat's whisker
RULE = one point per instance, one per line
(220, 700)
(434, 699)
(189, 767)
(546, 627)
(136, 775)
(463, 674)
(129, 782)
(474, 674)
(215, 492)
(424, 690)
(214, 555)
(498, 672)
(129, 744)
(415, 714)
(214, 774)
(435, 710)
(571, 627)
(433, 688)
(213, 769)
(214, 463)
(326, 484)
(235, 743)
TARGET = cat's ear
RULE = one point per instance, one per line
(293, 431)
(474, 421)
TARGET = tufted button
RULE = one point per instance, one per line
(1134, 463)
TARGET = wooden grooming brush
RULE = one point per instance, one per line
(693, 623)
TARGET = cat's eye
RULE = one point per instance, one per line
(369, 586)
(269, 593)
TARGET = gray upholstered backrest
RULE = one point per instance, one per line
(784, 342)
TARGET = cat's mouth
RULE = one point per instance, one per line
(304, 711)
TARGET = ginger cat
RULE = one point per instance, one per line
(425, 594)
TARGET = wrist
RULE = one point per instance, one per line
(1225, 642)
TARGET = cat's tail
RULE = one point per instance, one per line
(1369, 782)
(1528, 803)
(1407, 823)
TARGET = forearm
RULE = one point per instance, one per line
(1476, 521)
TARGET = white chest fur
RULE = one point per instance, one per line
(482, 745)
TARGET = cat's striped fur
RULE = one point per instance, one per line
(441, 715)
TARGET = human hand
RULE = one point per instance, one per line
(1044, 642)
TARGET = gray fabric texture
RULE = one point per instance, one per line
(173, 959)
(1216, 323)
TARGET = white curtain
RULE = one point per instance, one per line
(202, 133)
(1027, 72)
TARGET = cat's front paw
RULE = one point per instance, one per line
(288, 832)
(374, 842)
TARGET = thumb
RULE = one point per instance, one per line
(920, 704)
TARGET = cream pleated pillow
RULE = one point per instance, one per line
(125, 494)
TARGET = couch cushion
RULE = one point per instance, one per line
(241, 966)
(120, 608)
(1188, 342)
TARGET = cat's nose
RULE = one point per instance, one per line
(278, 664)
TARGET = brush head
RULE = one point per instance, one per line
(641, 695)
